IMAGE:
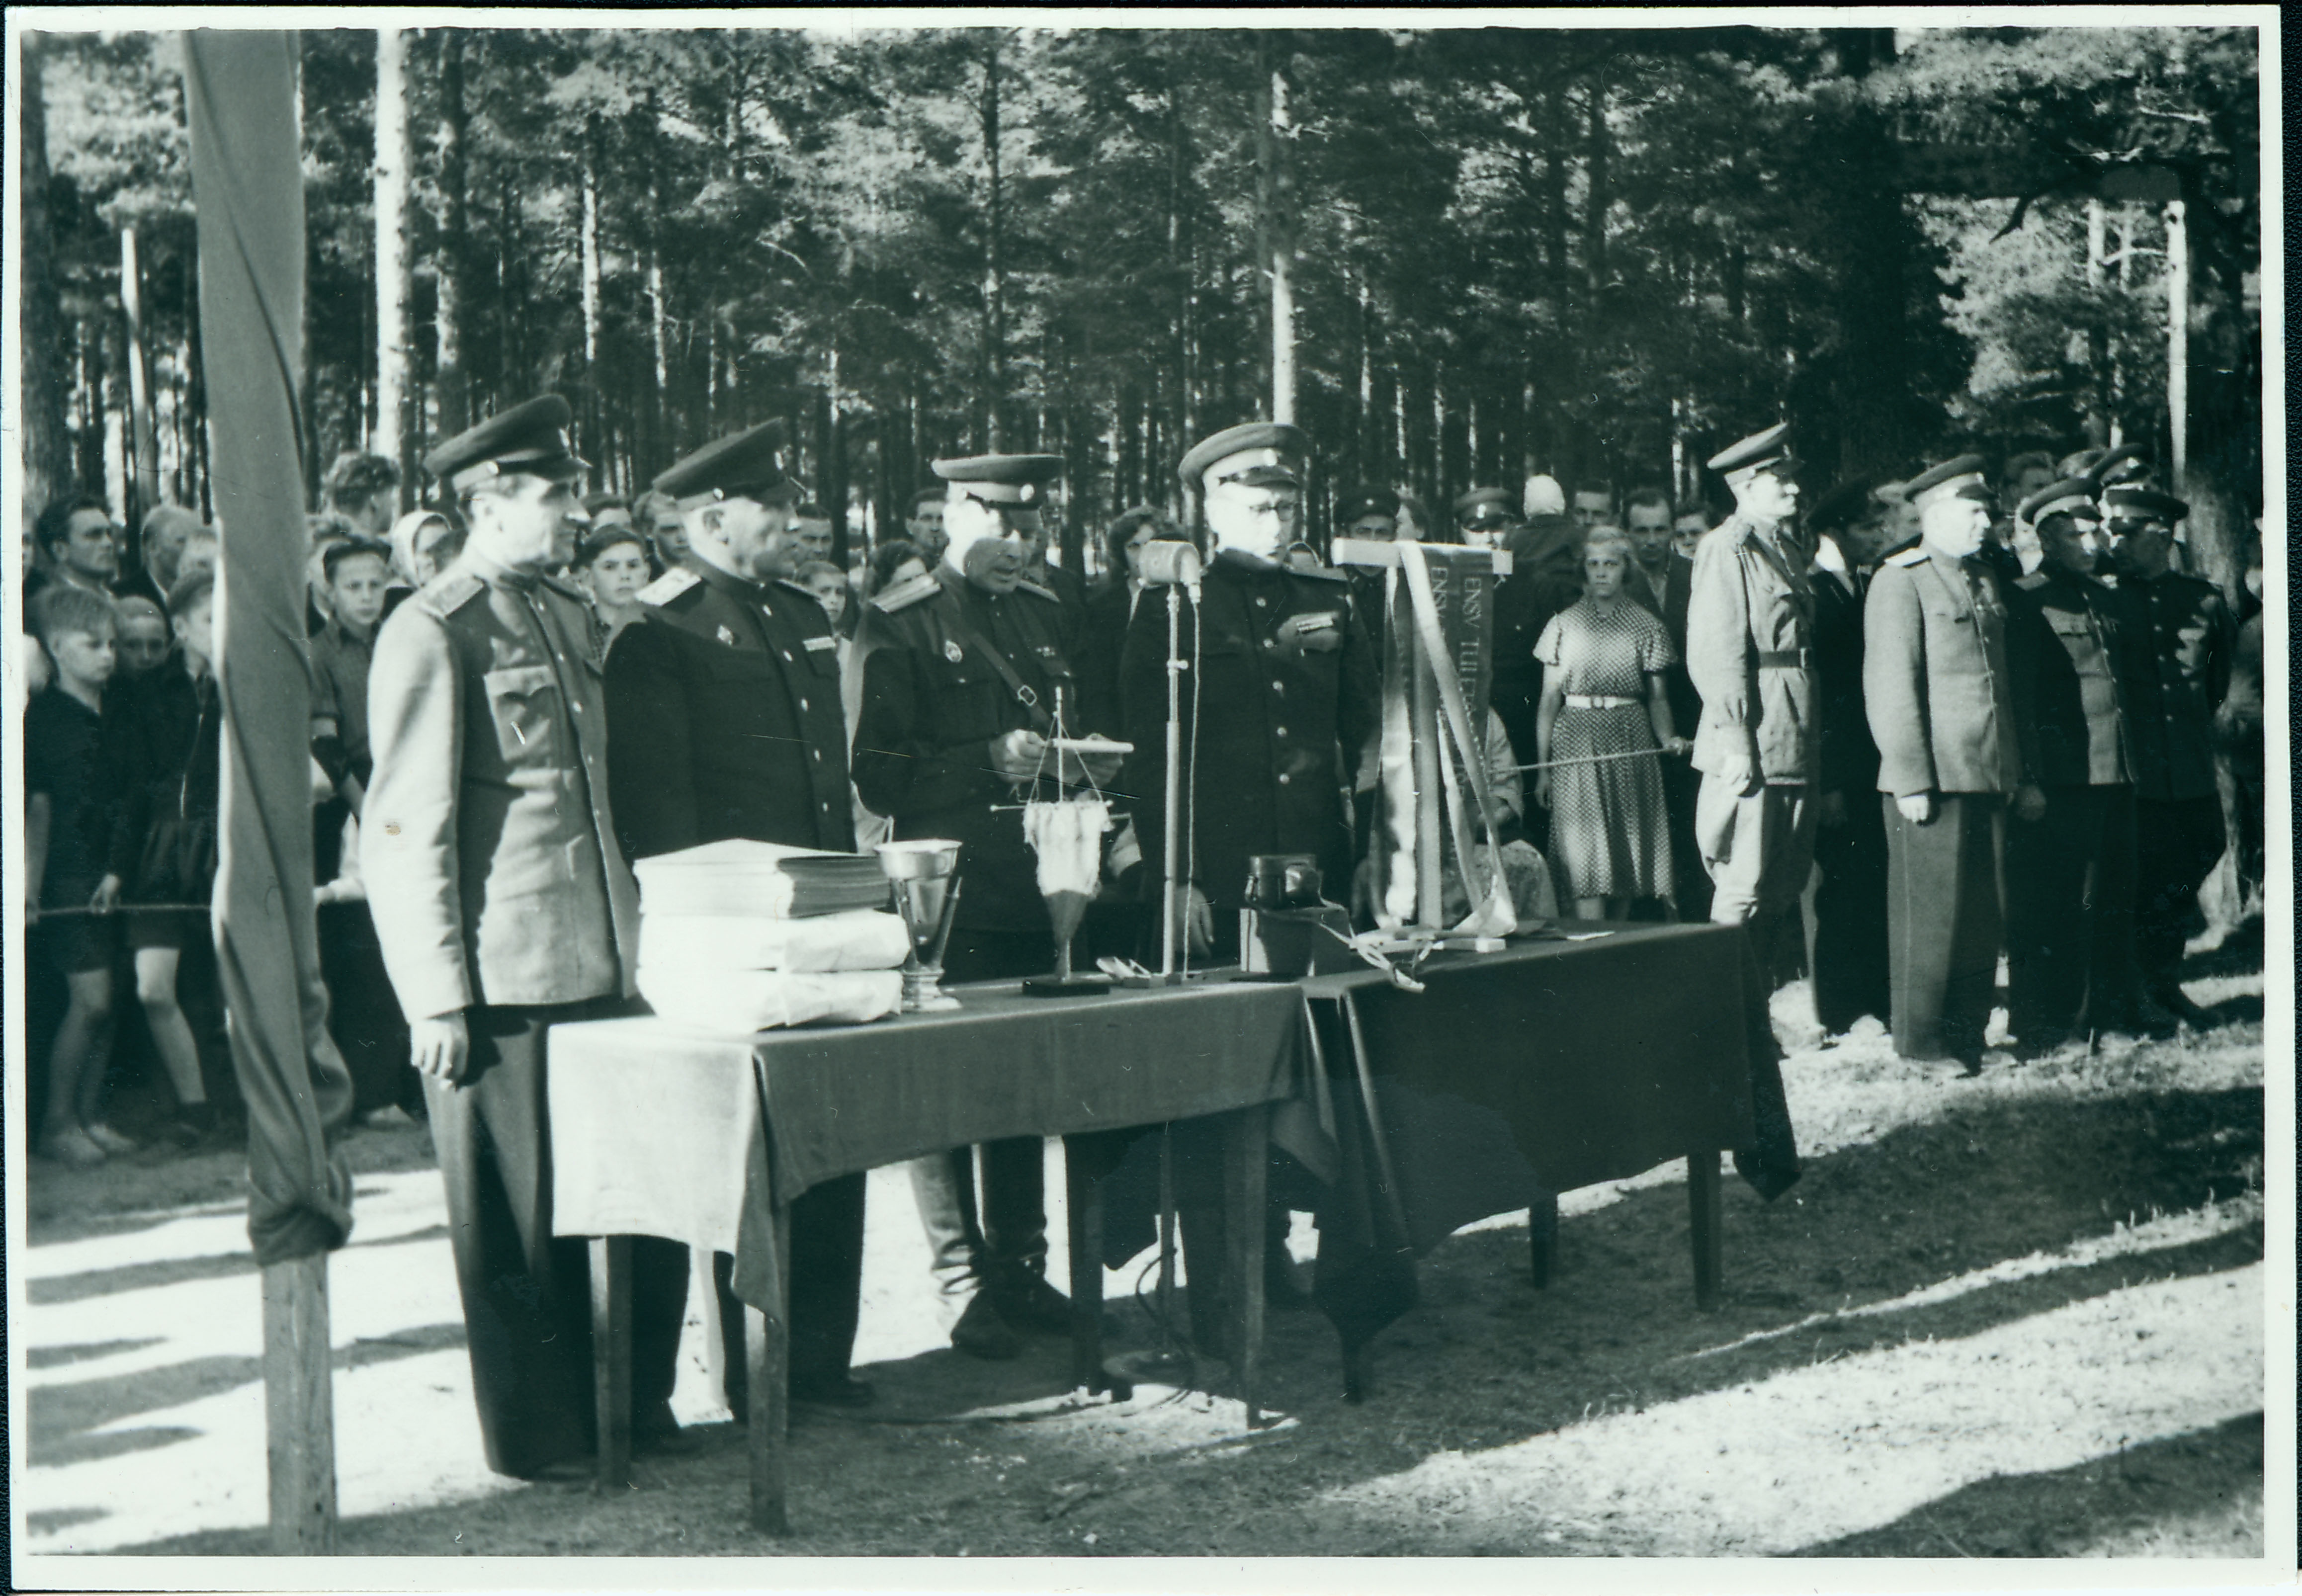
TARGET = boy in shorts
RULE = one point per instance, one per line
(70, 807)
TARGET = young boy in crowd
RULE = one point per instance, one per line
(143, 636)
(357, 571)
(70, 807)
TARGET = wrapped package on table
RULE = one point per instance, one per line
(858, 939)
(743, 1001)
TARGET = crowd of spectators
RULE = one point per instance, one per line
(122, 724)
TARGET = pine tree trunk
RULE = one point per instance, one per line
(588, 245)
(48, 467)
(143, 435)
(394, 283)
(455, 250)
(994, 295)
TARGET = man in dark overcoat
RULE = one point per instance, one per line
(724, 721)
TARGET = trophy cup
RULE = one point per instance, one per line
(1067, 836)
(920, 872)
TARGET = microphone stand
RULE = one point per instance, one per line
(1170, 819)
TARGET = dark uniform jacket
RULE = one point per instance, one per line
(2175, 662)
(933, 705)
(1537, 588)
(1937, 680)
(1281, 723)
(723, 717)
(2066, 645)
(488, 845)
(1848, 759)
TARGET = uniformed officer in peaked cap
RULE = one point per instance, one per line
(1953, 749)
(966, 680)
(2070, 875)
(1750, 642)
(724, 721)
(1286, 697)
(1286, 671)
(1485, 516)
(504, 907)
(1369, 512)
(2176, 671)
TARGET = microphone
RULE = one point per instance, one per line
(1168, 563)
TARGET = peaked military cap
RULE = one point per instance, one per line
(1761, 451)
(1483, 507)
(1846, 503)
(1958, 477)
(2071, 496)
(2131, 501)
(1261, 453)
(1368, 499)
(1016, 482)
(2128, 463)
(743, 464)
(530, 440)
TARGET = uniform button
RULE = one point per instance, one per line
(1281, 732)
(1263, 603)
(787, 656)
(802, 706)
(1283, 778)
(1277, 687)
(1269, 643)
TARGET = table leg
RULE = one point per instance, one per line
(767, 1360)
(1246, 1169)
(1542, 1238)
(611, 1357)
(1703, 1204)
(1083, 1209)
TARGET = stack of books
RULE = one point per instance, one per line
(741, 937)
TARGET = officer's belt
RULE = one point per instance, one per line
(1041, 721)
(1787, 658)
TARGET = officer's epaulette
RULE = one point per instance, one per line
(669, 586)
(800, 588)
(450, 590)
(567, 590)
(905, 594)
(1322, 573)
(1028, 586)
(1915, 555)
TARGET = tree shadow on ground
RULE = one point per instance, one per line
(1487, 1360)
(2211, 1474)
(67, 1419)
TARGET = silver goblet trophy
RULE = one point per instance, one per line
(921, 872)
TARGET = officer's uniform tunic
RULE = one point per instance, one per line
(1939, 690)
(2176, 667)
(933, 705)
(498, 892)
(2070, 875)
(1278, 721)
(1749, 639)
(725, 721)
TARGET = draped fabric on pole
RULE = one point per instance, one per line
(248, 185)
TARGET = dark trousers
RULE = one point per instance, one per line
(1005, 1233)
(2069, 916)
(826, 1269)
(1681, 783)
(1850, 918)
(527, 1315)
(2178, 843)
(1945, 914)
(363, 1012)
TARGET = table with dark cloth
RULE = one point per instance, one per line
(661, 1131)
(1517, 1075)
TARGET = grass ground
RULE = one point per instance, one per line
(2019, 1315)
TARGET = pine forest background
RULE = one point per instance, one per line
(1596, 253)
